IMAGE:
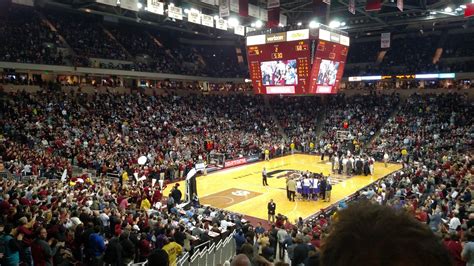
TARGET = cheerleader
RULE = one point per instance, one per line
(306, 187)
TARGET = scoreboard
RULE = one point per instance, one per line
(297, 62)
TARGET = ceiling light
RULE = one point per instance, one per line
(313, 24)
(343, 24)
(281, 25)
(252, 25)
(233, 22)
(299, 24)
(258, 24)
(139, 5)
(432, 12)
(334, 24)
(448, 9)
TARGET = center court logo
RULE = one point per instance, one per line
(241, 193)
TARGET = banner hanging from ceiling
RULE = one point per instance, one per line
(352, 7)
(129, 4)
(194, 16)
(469, 11)
(239, 30)
(273, 3)
(263, 14)
(400, 5)
(224, 8)
(385, 40)
(221, 24)
(234, 6)
(210, 2)
(105, 2)
(373, 5)
(155, 6)
(254, 11)
(244, 8)
(273, 17)
(175, 12)
(207, 20)
(283, 20)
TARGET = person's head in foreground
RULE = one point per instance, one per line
(369, 234)
(240, 260)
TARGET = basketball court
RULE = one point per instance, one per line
(240, 189)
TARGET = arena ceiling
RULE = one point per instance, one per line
(418, 15)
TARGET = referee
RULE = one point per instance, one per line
(264, 177)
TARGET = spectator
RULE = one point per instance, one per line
(410, 243)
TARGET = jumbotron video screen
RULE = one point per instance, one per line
(305, 61)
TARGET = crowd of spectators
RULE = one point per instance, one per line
(120, 220)
(427, 122)
(360, 115)
(46, 223)
(90, 43)
(298, 117)
(452, 49)
(26, 38)
(412, 54)
(109, 132)
(34, 41)
(408, 84)
(363, 52)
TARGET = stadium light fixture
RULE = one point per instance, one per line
(313, 24)
(233, 22)
(334, 24)
(448, 9)
(299, 24)
(258, 24)
(139, 5)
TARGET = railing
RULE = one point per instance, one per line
(210, 255)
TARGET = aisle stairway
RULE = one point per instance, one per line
(392, 116)
(266, 99)
(108, 33)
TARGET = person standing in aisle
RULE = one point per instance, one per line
(271, 211)
(264, 177)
